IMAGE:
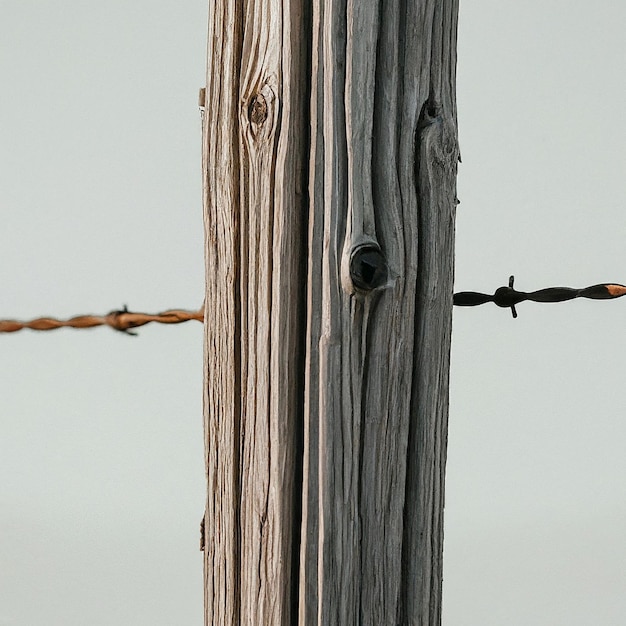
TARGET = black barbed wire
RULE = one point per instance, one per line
(507, 297)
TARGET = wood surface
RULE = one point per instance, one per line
(254, 152)
(327, 134)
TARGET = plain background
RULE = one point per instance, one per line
(101, 454)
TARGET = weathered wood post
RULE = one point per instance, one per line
(330, 159)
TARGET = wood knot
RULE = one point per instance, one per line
(257, 111)
(368, 268)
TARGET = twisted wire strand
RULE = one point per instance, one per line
(507, 297)
(122, 320)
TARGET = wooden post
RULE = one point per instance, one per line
(255, 144)
(327, 361)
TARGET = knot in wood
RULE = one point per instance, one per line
(368, 268)
(257, 111)
(438, 134)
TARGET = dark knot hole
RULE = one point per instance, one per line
(368, 268)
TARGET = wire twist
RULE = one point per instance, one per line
(507, 297)
(122, 320)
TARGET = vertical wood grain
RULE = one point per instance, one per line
(377, 364)
(222, 320)
(321, 393)
(254, 150)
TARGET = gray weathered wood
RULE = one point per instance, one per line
(384, 156)
(362, 371)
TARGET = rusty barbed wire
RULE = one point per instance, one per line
(122, 320)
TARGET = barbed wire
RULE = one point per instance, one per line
(122, 320)
(507, 297)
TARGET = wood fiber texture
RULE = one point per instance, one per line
(326, 403)
(254, 145)
(384, 160)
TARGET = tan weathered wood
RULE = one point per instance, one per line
(355, 355)
(254, 148)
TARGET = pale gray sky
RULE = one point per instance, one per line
(101, 448)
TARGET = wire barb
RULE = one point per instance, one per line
(121, 320)
(507, 297)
